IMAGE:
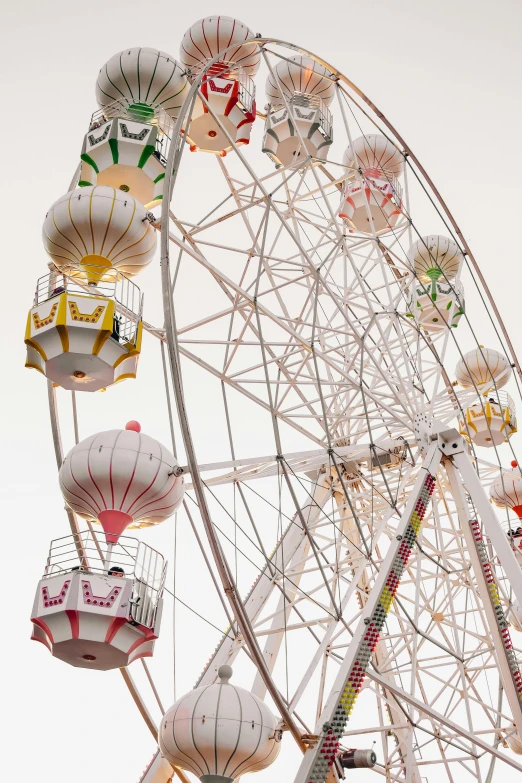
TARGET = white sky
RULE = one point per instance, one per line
(447, 74)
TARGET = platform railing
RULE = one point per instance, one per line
(225, 70)
(149, 571)
(377, 176)
(129, 558)
(503, 400)
(113, 285)
(247, 90)
(302, 100)
(434, 289)
(136, 111)
(500, 399)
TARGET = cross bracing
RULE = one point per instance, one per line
(300, 329)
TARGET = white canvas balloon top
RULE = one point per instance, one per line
(99, 226)
(214, 34)
(435, 255)
(506, 492)
(219, 732)
(121, 478)
(143, 76)
(483, 368)
(374, 153)
(302, 75)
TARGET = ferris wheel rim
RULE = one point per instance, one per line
(241, 617)
(173, 167)
(169, 187)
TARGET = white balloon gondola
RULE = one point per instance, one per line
(99, 605)
(483, 368)
(372, 198)
(298, 123)
(219, 732)
(81, 337)
(436, 298)
(140, 92)
(491, 421)
(121, 478)
(143, 79)
(514, 741)
(225, 108)
(96, 229)
(126, 148)
(506, 491)
(97, 614)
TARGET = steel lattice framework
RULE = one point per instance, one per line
(368, 602)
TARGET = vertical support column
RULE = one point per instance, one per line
(318, 761)
(497, 622)
(313, 511)
(486, 512)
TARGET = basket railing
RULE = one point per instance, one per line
(129, 558)
(136, 111)
(300, 102)
(112, 285)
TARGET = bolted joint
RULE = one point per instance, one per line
(450, 442)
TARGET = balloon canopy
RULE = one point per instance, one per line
(99, 228)
(299, 75)
(144, 78)
(434, 256)
(483, 368)
(374, 154)
(219, 732)
(506, 491)
(121, 478)
(214, 34)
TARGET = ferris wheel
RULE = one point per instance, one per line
(340, 437)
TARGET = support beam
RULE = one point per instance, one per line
(498, 625)
(318, 761)
(492, 526)
(155, 765)
(287, 550)
(459, 731)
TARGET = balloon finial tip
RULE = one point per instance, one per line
(135, 426)
(225, 673)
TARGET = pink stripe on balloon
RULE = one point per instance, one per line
(205, 37)
(161, 508)
(133, 473)
(155, 500)
(147, 489)
(90, 474)
(82, 488)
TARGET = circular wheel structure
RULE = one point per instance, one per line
(336, 476)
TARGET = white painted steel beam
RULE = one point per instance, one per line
(459, 732)
(492, 526)
(314, 765)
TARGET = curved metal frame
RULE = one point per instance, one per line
(225, 574)
(173, 163)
